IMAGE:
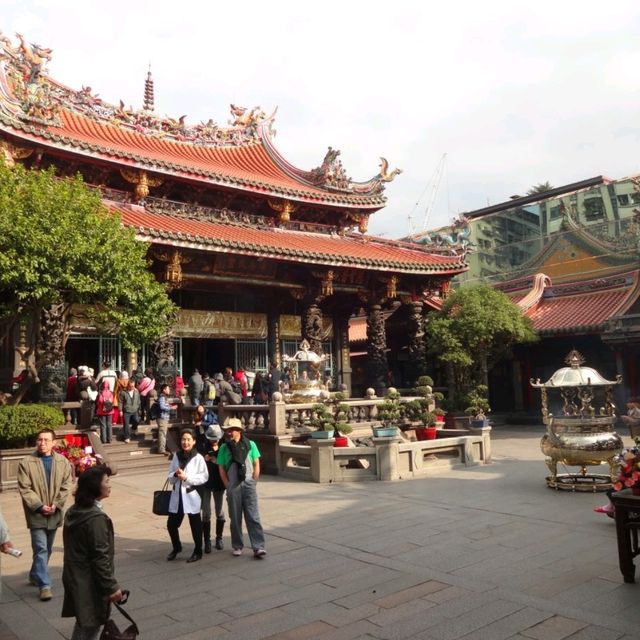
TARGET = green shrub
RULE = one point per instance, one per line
(20, 424)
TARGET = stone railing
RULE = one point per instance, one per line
(279, 418)
(386, 459)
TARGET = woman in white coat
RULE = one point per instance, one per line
(187, 471)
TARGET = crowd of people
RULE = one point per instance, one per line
(120, 398)
(212, 460)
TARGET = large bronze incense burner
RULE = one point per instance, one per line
(305, 378)
(583, 436)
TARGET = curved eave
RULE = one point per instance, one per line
(58, 139)
(279, 244)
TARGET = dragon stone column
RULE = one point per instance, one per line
(376, 349)
(417, 343)
(312, 327)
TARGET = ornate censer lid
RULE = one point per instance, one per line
(575, 375)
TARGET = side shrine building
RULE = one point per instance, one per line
(570, 258)
(257, 253)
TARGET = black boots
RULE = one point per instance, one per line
(206, 533)
(219, 531)
(174, 553)
(195, 556)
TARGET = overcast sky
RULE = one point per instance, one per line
(513, 95)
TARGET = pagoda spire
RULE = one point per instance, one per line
(148, 92)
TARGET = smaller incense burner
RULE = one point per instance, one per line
(305, 384)
(582, 436)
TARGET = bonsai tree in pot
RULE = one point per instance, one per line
(478, 406)
(389, 413)
(322, 420)
(439, 411)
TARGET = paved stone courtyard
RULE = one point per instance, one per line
(483, 553)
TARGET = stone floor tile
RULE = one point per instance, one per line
(554, 628)
(417, 591)
(301, 632)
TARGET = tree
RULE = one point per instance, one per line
(475, 328)
(60, 246)
(541, 187)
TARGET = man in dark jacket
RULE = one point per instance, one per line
(196, 385)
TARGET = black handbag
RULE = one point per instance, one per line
(110, 631)
(161, 500)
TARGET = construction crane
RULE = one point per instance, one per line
(434, 183)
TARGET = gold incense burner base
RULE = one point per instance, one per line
(587, 482)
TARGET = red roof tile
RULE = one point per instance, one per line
(284, 244)
(248, 167)
(585, 312)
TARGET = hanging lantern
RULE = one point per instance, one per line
(173, 271)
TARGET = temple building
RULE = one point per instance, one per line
(257, 253)
(570, 258)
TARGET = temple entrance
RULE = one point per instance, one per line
(207, 354)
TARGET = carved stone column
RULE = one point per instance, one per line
(417, 344)
(164, 362)
(342, 369)
(376, 349)
(273, 339)
(312, 327)
(53, 373)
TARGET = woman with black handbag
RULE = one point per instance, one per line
(187, 471)
(88, 574)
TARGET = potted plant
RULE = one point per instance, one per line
(323, 421)
(427, 419)
(389, 413)
(439, 411)
(341, 415)
(478, 407)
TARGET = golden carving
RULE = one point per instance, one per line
(363, 223)
(173, 270)
(215, 324)
(291, 327)
(11, 152)
(385, 175)
(142, 180)
(284, 209)
(392, 287)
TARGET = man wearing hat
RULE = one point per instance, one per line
(208, 440)
(239, 463)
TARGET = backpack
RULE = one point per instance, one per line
(236, 386)
(107, 405)
(154, 411)
(210, 391)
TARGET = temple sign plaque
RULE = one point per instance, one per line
(582, 436)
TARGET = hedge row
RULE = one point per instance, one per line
(20, 424)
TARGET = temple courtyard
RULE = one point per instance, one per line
(480, 553)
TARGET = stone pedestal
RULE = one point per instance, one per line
(322, 460)
(387, 450)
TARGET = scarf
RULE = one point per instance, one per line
(185, 457)
(239, 452)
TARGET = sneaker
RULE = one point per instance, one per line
(236, 552)
(127, 440)
(258, 554)
(45, 594)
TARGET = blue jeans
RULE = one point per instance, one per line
(86, 633)
(106, 423)
(41, 544)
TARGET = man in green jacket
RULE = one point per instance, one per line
(44, 482)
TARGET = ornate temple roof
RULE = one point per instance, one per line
(348, 250)
(239, 154)
(577, 307)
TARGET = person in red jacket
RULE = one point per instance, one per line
(73, 395)
(105, 411)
